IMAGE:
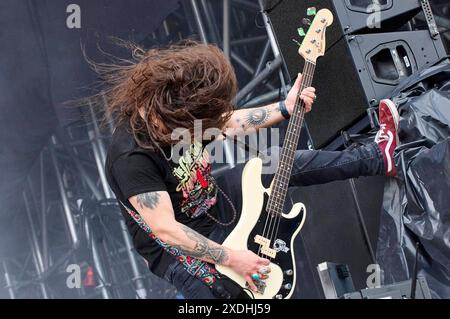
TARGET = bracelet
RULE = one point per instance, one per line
(283, 110)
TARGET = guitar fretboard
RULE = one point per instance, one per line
(281, 180)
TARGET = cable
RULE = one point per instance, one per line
(273, 7)
(250, 291)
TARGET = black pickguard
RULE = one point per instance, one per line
(285, 233)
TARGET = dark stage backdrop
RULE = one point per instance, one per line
(42, 66)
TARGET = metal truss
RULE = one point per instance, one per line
(71, 214)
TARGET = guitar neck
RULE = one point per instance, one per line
(281, 180)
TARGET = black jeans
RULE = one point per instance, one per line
(310, 168)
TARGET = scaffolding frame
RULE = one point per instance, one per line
(74, 158)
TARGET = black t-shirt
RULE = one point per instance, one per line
(132, 170)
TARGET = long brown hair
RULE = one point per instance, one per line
(172, 87)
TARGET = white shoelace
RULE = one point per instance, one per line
(381, 135)
(385, 136)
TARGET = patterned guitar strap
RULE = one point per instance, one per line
(195, 267)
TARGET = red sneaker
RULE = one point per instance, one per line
(387, 137)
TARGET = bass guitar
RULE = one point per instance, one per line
(263, 227)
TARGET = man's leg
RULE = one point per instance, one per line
(319, 167)
(189, 286)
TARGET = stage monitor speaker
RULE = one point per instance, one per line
(358, 70)
(333, 230)
(352, 16)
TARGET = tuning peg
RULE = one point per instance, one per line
(311, 11)
(296, 42)
(301, 32)
(306, 21)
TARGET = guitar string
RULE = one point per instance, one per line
(299, 125)
(289, 133)
(270, 209)
(298, 121)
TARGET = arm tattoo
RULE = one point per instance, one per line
(149, 200)
(203, 248)
(257, 117)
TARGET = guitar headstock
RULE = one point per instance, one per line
(314, 43)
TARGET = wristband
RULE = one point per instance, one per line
(284, 111)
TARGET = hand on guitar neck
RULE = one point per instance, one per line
(264, 226)
(308, 95)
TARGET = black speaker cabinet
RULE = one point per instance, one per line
(350, 16)
(360, 15)
(361, 65)
(333, 231)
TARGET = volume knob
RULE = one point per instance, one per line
(288, 272)
(287, 286)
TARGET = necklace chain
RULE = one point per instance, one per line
(233, 208)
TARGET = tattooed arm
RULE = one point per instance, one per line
(266, 116)
(157, 211)
(256, 118)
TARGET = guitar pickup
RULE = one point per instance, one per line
(262, 240)
(265, 246)
(269, 252)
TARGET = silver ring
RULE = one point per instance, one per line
(263, 270)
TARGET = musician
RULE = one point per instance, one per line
(175, 210)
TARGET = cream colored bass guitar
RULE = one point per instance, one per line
(263, 226)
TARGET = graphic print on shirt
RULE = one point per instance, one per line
(195, 181)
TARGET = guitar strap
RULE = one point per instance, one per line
(195, 267)
(222, 287)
